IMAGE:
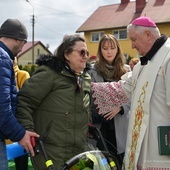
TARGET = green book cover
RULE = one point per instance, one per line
(164, 140)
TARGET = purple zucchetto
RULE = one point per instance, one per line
(144, 21)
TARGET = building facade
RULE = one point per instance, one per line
(114, 18)
(25, 57)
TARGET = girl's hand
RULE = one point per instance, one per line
(110, 115)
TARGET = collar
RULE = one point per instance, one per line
(156, 46)
(66, 65)
(2, 45)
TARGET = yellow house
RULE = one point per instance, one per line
(25, 56)
(113, 19)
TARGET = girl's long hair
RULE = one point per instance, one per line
(119, 61)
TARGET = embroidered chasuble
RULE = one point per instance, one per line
(148, 89)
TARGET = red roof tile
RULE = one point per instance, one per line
(158, 10)
(120, 15)
(28, 46)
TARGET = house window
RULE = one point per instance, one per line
(38, 52)
(120, 34)
(95, 36)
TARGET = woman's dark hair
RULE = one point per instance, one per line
(67, 45)
(119, 61)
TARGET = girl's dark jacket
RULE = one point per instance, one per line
(52, 104)
(9, 126)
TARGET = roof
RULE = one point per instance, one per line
(158, 10)
(120, 15)
(28, 46)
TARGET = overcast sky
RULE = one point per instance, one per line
(53, 18)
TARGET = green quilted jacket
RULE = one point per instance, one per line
(51, 104)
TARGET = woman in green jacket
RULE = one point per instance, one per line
(55, 102)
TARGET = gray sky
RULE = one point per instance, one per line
(53, 18)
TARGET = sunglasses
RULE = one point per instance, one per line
(82, 52)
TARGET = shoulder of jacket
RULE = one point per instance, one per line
(51, 62)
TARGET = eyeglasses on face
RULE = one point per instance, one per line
(82, 52)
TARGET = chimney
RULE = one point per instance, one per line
(124, 1)
(140, 4)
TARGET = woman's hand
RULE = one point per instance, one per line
(110, 115)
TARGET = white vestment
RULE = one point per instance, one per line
(149, 91)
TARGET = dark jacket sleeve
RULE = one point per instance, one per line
(31, 95)
(9, 126)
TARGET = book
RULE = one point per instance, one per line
(164, 140)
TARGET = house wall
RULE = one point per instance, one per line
(26, 58)
(164, 29)
(125, 44)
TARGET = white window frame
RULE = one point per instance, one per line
(117, 34)
(98, 36)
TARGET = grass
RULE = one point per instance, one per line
(11, 165)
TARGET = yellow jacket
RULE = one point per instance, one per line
(20, 76)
